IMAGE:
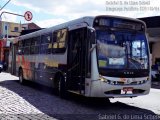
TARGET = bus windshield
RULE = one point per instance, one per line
(122, 49)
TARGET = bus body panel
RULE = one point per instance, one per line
(42, 68)
(94, 67)
(98, 87)
(54, 61)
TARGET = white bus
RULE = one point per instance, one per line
(102, 56)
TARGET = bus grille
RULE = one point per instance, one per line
(118, 92)
(124, 83)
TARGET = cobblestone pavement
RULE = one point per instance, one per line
(31, 102)
(13, 106)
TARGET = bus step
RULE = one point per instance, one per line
(74, 91)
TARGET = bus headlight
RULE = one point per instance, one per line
(111, 82)
(104, 80)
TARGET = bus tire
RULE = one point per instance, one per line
(107, 101)
(61, 87)
(21, 78)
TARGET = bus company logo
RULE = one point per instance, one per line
(128, 81)
(125, 80)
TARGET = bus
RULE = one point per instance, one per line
(101, 56)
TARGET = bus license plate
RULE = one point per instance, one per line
(127, 90)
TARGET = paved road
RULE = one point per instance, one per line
(32, 102)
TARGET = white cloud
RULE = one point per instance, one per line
(61, 7)
(65, 10)
(50, 22)
(8, 17)
(68, 7)
(26, 5)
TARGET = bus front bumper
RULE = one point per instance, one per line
(102, 89)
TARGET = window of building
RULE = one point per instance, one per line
(16, 29)
(6, 27)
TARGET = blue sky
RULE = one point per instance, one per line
(47, 13)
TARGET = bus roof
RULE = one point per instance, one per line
(88, 20)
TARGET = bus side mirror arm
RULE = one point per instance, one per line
(94, 46)
(91, 29)
(92, 38)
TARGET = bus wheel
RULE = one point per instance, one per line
(21, 79)
(61, 87)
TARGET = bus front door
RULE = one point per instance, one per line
(76, 60)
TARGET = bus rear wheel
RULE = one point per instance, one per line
(21, 78)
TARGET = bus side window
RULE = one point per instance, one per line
(27, 42)
(20, 44)
(46, 44)
(26, 50)
(23, 43)
(20, 47)
(37, 49)
(35, 42)
(27, 47)
(59, 41)
(20, 51)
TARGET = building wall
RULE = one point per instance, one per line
(155, 51)
(1, 30)
(14, 29)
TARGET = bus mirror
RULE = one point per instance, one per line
(19, 52)
(92, 30)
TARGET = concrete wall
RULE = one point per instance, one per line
(155, 51)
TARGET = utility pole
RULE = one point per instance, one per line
(4, 5)
(7, 26)
(2, 13)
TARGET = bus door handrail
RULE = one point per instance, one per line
(73, 67)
